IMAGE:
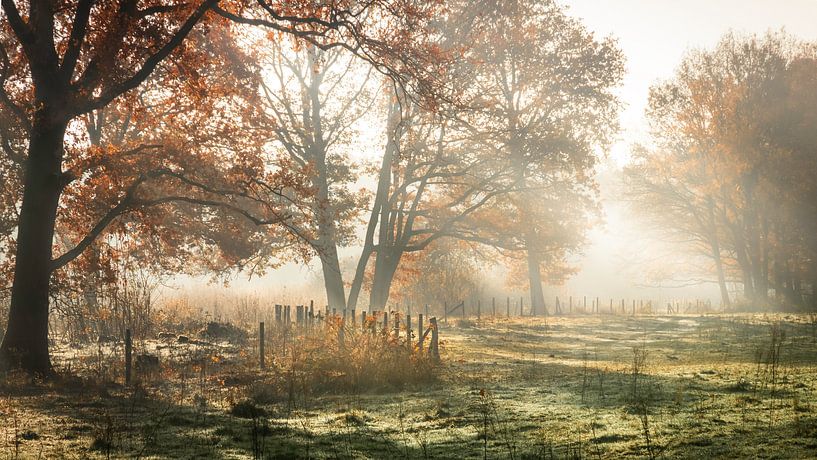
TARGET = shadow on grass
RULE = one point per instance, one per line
(111, 421)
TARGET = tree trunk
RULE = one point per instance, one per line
(754, 241)
(721, 277)
(327, 245)
(381, 196)
(537, 296)
(332, 278)
(25, 345)
(716, 255)
(385, 267)
(360, 272)
(743, 262)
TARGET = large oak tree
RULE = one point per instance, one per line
(66, 59)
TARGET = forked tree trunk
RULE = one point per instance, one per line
(25, 344)
(380, 199)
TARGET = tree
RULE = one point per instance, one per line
(668, 194)
(529, 120)
(547, 104)
(429, 183)
(63, 60)
(314, 102)
(727, 132)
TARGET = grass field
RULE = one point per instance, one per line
(728, 386)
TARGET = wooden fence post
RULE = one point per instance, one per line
(409, 342)
(479, 310)
(261, 345)
(434, 347)
(571, 305)
(420, 333)
(385, 321)
(493, 307)
(508, 308)
(128, 356)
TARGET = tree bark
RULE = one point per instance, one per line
(25, 345)
(327, 240)
(385, 267)
(332, 278)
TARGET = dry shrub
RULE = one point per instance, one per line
(326, 360)
(367, 361)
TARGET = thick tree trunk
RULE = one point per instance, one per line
(747, 279)
(327, 241)
(385, 267)
(25, 344)
(537, 296)
(332, 278)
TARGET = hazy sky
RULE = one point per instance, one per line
(654, 34)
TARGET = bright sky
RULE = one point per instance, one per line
(654, 35)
